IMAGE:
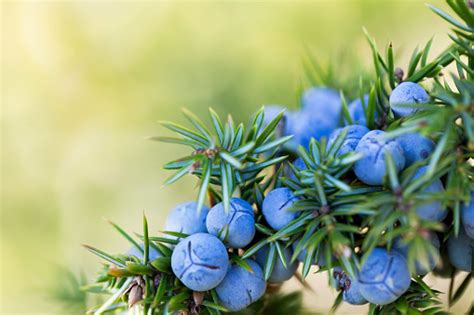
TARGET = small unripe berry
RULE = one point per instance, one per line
(236, 227)
(407, 93)
(200, 261)
(275, 207)
(240, 287)
(371, 168)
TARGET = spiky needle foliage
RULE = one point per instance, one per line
(341, 219)
(226, 158)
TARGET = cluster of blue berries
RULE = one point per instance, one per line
(201, 261)
(320, 116)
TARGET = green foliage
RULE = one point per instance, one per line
(68, 291)
(419, 299)
(278, 304)
(228, 157)
(341, 219)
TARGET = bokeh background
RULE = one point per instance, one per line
(83, 83)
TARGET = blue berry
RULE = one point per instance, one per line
(420, 268)
(236, 227)
(416, 147)
(431, 210)
(407, 93)
(240, 288)
(152, 252)
(384, 277)
(275, 207)
(200, 261)
(357, 111)
(322, 100)
(460, 250)
(371, 168)
(307, 125)
(352, 295)
(279, 272)
(185, 219)
(350, 288)
(467, 216)
(353, 136)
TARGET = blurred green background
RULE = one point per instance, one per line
(83, 83)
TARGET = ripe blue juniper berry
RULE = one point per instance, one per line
(241, 287)
(276, 207)
(322, 101)
(404, 94)
(235, 227)
(415, 147)
(319, 115)
(279, 273)
(383, 277)
(371, 169)
(355, 190)
(358, 111)
(200, 261)
(308, 125)
(184, 218)
(350, 287)
(352, 138)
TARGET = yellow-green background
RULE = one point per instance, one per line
(83, 83)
